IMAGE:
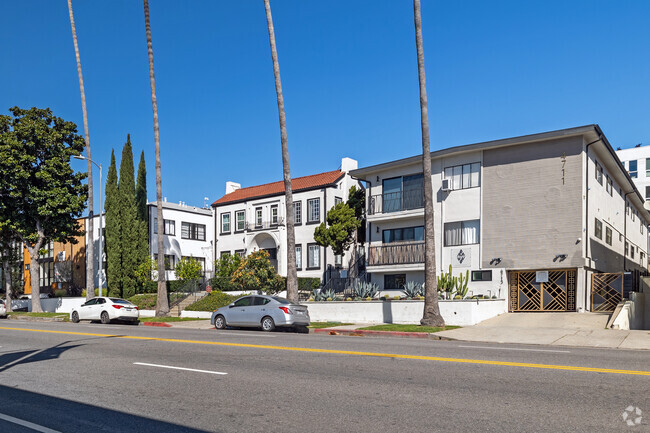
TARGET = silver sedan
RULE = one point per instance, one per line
(260, 311)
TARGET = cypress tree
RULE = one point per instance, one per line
(130, 229)
(141, 205)
(112, 232)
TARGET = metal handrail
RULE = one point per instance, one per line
(396, 201)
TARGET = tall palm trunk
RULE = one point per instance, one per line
(292, 275)
(90, 247)
(431, 316)
(162, 303)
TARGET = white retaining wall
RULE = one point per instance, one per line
(50, 305)
(457, 313)
(197, 314)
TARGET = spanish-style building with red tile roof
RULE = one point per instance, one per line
(252, 218)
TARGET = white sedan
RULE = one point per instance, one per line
(105, 309)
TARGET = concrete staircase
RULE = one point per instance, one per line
(175, 311)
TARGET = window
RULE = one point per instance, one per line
(464, 176)
(647, 167)
(633, 170)
(642, 255)
(313, 210)
(608, 185)
(47, 274)
(274, 214)
(240, 220)
(394, 281)
(169, 227)
(298, 256)
(224, 254)
(200, 260)
(225, 222)
(338, 260)
(337, 200)
(633, 214)
(407, 234)
(625, 249)
(258, 217)
(599, 173)
(641, 225)
(193, 231)
(240, 253)
(462, 233)
(632, 251)
(313, 256)
(170, 261)
(647, 192)
(258, 300)
(608, 235)
(481, 275)
(403, 193)
(297, 212)
(244, 302)
(598, 229)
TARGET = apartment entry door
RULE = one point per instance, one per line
(273, 256)
(543, 290)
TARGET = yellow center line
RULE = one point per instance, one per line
(352, 352)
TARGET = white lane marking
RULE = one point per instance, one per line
(512, 348)
(27, 424)
(178, 368)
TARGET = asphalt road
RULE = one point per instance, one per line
(64, 377)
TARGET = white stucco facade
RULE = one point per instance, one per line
(253, 218)
(189, 232)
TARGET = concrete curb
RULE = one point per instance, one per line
(369, 333)
(35, 319)
(160, 324)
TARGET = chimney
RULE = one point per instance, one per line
(232, 186)
(348, 164)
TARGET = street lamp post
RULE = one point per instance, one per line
(101, 225)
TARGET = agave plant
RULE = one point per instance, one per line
(319, 295)
(413, 289)
(364, 289)
(329, 294)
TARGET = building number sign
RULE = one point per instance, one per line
(563, 164)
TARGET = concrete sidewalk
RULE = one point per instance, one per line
(555, 329)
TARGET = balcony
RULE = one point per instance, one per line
(396, 201)
(264, 225)
(396, 254)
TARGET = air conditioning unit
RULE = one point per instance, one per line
(446, 185)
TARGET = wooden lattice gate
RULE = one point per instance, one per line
(551, 290)
(606, 291)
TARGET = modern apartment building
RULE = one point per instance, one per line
(531, 218)
(188, 232)
(253, 218)
(636, 160)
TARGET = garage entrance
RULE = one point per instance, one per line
(544, 290)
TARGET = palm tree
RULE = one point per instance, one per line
(90, 247)
(431, 316)
(162, 303)
(292, 275)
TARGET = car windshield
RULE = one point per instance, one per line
(281, 300)
(120, 301)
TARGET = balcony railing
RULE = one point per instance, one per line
(264, 225)
(396, 201)
(396, 254)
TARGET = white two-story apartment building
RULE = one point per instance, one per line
(531, 218)
(253, 218)
(188, 232)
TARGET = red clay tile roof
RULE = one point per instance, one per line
(269, 189)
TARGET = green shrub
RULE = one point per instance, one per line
(60, 293)
(144, 301)
(216, 299)
(224, 284)
(104, 292)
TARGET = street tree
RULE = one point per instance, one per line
(431, 316)
(90, 245)
(129, 226)
(162, 303)
(292, 273)
(255, 272)
(112, 232)
(188, 270)
(357, 201)
(50, 195)
(338, 234)
(141, 207)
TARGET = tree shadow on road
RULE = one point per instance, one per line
(12, 359)
(70, 416)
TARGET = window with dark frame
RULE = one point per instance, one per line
(464, 176)
(462, 233)
(169, 227)
(394, 281)
(633, 170)
(313, 210)
(299, 256)
(598, 228)
(599, 173)
(608, 185)
(405, 234)
(337, 200)
(240, 253)
(274, 214)
(313, 256)
(258, 217)
(297, 212)
(608, 235)
(240, 221)
(481, 275)
(225, 223)
(193, 231)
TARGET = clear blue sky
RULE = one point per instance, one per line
(495, 69)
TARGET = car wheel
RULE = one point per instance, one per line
(268, 324)
(219, 322)
(104, 318)
(75, 317)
